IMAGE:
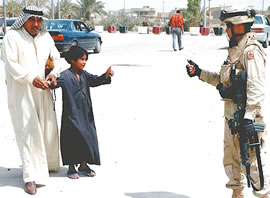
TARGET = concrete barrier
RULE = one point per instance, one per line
(194, 31)
(99, 28)
(142, 30)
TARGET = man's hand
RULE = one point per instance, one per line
(38, 83)
(51, 80)
(109, 72)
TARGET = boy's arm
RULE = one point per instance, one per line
(60, 83)
(95, 80)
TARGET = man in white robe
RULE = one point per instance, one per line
(26, 48)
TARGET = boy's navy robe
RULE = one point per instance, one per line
(78, 137)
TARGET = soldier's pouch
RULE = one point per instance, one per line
(225, 73)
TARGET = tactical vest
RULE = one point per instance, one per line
(235, 56)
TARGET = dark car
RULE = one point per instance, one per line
(72, 32)
(9, 22)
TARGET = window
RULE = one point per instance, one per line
(77, 25)
(258, 20)
(83, 27)
(62, 25)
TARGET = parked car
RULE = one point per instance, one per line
(262, 28)
(9, 22)
(72, 32)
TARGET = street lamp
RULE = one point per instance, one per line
(52, 10)
(262, 6)
(5, 16)
(204, 20)
(59, 14)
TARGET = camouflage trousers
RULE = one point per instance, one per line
(232, 163)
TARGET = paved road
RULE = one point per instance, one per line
(160, 132)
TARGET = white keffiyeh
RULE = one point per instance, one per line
(28, 12)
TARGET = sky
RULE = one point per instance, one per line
(172, 4)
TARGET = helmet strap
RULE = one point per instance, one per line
(233, 35)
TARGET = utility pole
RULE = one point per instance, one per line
(209, 12)
(204, 20)
(262, 6)
(163, 12)
(5, 16)
(52, 10)
(59, 14)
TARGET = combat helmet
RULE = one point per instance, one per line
(237, 15)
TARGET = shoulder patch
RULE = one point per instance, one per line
(250, 55)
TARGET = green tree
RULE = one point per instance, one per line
(194, 12)
(67, 8)
(90, 9)
(41, 3)
(121, 18)
(14, 8)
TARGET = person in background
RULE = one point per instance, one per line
(145, 24)
(177, 29)
(26, 49)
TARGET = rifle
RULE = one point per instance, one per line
(247, 138)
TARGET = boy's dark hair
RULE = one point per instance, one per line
(178, 11)
(74, 53)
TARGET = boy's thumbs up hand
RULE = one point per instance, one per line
(109, 72)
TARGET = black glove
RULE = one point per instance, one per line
(225, 92)
(197, 70)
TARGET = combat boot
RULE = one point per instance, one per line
(238, 193)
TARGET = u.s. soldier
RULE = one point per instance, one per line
(246, 54)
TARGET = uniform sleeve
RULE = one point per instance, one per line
(11, 57)
(255, 67)
(95, 80)
(212, 78)
(55, 56)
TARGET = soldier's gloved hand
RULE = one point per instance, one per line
(193, 69)
(225, 92)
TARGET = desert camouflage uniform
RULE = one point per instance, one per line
(250, 57)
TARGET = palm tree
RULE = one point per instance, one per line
(41, 3)
(14, 8)
(89, 9)
(67, 8)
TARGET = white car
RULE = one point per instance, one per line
(9, 22)
(262, 28)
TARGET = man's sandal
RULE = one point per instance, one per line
(87, 171)
(73, 174)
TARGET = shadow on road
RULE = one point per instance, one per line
(14, 176)
(11, 177)
(166, 50)
(223, 48)
(155, 195)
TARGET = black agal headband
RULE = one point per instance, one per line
(33, 12)
(224, 14)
